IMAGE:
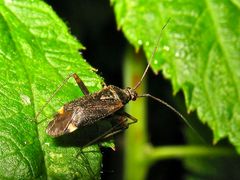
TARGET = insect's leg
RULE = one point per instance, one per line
(122, 123)
(81, 154)
(108, 131)
(78, 81)
(134, 120)
(53, 94)
(121, 119)
(120, 129)
(80, 84)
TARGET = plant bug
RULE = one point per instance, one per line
(106, 104)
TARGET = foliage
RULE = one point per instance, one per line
(199, 53)
(37, 53)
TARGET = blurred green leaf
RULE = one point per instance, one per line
(199, 52)
(212, 166)
(36, 54)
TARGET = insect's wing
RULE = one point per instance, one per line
(61, 124)
(88, 114)
(83, 114)
(90, 109)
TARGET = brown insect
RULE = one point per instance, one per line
(106, 104)
(91, 108)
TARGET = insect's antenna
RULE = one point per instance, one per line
(175, 111)
(152, 56)
(53, 94)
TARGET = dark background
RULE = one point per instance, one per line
(93, 23)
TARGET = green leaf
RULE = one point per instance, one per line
(199, 52)
(36, 54)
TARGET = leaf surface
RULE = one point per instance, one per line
(36, 54)
(199, 52)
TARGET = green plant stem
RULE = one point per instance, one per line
(135, 165)
(166, 152)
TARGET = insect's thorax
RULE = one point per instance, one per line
(124, 95)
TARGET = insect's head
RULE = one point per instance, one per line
(131, 93)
